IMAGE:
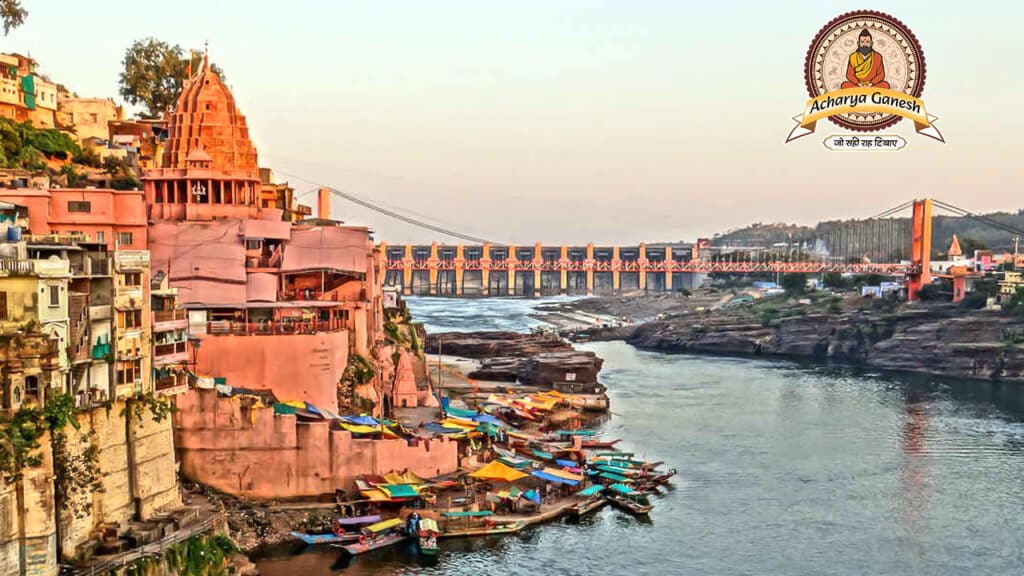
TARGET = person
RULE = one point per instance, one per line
(865, 67)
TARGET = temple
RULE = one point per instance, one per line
(271, 303)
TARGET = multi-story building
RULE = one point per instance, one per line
(115, 218)
(90, 117)
(272, 304)
(25, 95)
(133, 328)
(281, 196)
(170, 338)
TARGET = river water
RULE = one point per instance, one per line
(784, 469)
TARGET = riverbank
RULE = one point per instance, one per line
(940, 339)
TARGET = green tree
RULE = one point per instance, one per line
(794, 284)
(153, 75)
(12, 14)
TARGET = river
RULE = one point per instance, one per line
(784, 469)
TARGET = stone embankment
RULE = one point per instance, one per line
(541, 360)
(942, 340)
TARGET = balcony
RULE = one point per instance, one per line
(272, 327)
(15, 267)
(167, 320)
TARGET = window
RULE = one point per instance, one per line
(93, 117)
(3, 305)
(79, 206)
(54, 296)
(128, 319)
(133, 278)
(124, 238)
(31, 387)
(101, 237)
(129, 371)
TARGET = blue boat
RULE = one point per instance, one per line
(341, 535)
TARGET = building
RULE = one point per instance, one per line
(258, 288)
(170, 338)
(281, 196)
(90, 117)
(145, 136)
(133, 330)
(25, 95)
(115, 218)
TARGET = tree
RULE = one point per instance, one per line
(794, 284)
(12, 14)
(154, 72)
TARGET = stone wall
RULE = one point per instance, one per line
(136, 469)
(251, 452)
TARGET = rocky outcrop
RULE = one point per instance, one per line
(551, 369)
(493, 344)
(942, 340)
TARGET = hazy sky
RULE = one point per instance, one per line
(569, 121)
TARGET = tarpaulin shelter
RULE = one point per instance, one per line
(399, 490)
(552, 478)
(361, 420)
(563, 474)
(436, 428)
(498, 471)
(591, 491)
(407, 477)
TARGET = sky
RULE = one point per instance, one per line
(568, 121)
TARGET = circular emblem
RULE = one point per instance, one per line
(865, 49)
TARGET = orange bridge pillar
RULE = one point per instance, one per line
(485, 270)
(920, 248)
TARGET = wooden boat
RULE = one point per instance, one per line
(590, 501)
(428, 536)
(377, 536)
(340, 534)
(599, 443)
(625, 498)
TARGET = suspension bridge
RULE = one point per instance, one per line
(896, 243)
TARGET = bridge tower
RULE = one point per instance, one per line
(920, 248)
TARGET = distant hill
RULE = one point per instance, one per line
(971, 233)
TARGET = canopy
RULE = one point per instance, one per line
(428, 525)
(614, 477)
(552, 478)
(563, 474)
(358, 520)
(517, 463)
(601, 455)
(566, 463)
(623, 489)
(375, 495)
(595, 489)
(489, 429)
(440, 429)
(498, 471)
(362, 420)
(407, 477)
(458, 413)
(385, 525)
(543, 455)
(488, 419)
(576, 433)
(615, 470)
(459, 423)
(358, 429)
(468, 514)
(400, 490)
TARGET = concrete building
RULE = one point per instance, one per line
(115, 218)
(25, 95)
(90, 117)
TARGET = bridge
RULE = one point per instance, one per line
(891, 243)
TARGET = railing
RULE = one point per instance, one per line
(153, 549)
(15, 266)
(169, 315)
(272, 327)
(693, 266)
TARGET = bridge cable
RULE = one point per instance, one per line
(980, 218)
(393, 214)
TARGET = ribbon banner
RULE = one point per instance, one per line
(865, 99)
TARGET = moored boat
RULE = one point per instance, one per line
(625, 498)
(590, 500)
(377, 536)
(428, 536)
(599, 443)
(344, 530)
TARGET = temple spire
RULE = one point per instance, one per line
(206, 55)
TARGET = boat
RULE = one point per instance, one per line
(625, 498)
(590, 501)
(599, 443)
(428, 536)
(341, 533)
(652, 483)
(377, 536)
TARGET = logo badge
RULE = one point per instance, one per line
(865, 71)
